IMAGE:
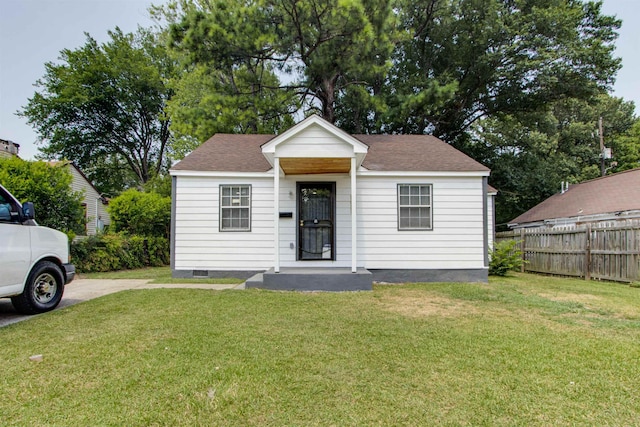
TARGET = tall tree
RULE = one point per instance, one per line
(467, 59)
(321, 48)
(209, 100)
(409, 66)
(106, 102)
(229, 83)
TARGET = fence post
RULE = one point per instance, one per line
(522, 246)
(587, 254)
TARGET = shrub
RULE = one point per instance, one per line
(109, 252)
(49, 188)
(144, 214)
(504, 257)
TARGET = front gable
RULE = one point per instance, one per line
(314, 146)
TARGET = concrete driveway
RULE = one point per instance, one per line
(85, 289)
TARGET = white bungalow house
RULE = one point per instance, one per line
(317, 208)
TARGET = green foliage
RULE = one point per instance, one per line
(144, 214)
(626, 149)
(466, 59)
(410, 66)
(530, 154)
(159, 184)
(105, 104)
(505, 256)
(49, 188)
(111, 252)
(236, 100)
(322, 47)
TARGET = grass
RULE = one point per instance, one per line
(155, 275)
(522, 350)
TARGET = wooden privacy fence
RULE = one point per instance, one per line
(592, 252)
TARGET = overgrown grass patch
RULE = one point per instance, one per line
(521, 350)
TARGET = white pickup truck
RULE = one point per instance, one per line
(34, 260)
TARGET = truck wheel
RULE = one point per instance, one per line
(43, 290)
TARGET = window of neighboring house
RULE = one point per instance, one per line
(235, 208)
(415, 207)
(86, 217)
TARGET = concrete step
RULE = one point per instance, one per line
(313, 279)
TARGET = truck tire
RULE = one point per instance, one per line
(43, 290)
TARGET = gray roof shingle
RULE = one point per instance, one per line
(243, 153)
(610, 194)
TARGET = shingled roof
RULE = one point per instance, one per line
(243, 153)
(610, 194)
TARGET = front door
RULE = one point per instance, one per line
(316, 219)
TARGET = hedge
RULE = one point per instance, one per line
(109, 252)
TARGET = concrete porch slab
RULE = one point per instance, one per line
(313, 279)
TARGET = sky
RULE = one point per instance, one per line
(33, 32)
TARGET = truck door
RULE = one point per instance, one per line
(15, 244)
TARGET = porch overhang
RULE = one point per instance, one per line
(314, 146)
(314, 165)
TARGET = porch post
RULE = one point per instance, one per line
(276, 213)
(354, 222)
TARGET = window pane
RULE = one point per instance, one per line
(226, 223)
(235, 202)
(404, 222)
(414, 207)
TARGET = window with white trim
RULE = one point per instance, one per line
(235, 208)
(414, 207)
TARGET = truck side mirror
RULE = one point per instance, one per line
(28, 211)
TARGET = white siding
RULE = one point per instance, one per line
(315, 142)
(456, 241)
(200, 245)
(91, 198)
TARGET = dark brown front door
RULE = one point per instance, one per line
(316, 219)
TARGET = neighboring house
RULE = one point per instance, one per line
(613, 198)
(8, 148)
(403, 207)
(94, 203)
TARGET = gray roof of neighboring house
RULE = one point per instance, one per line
(243, 153)
(610, 194)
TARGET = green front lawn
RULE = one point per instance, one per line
(525, 350)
